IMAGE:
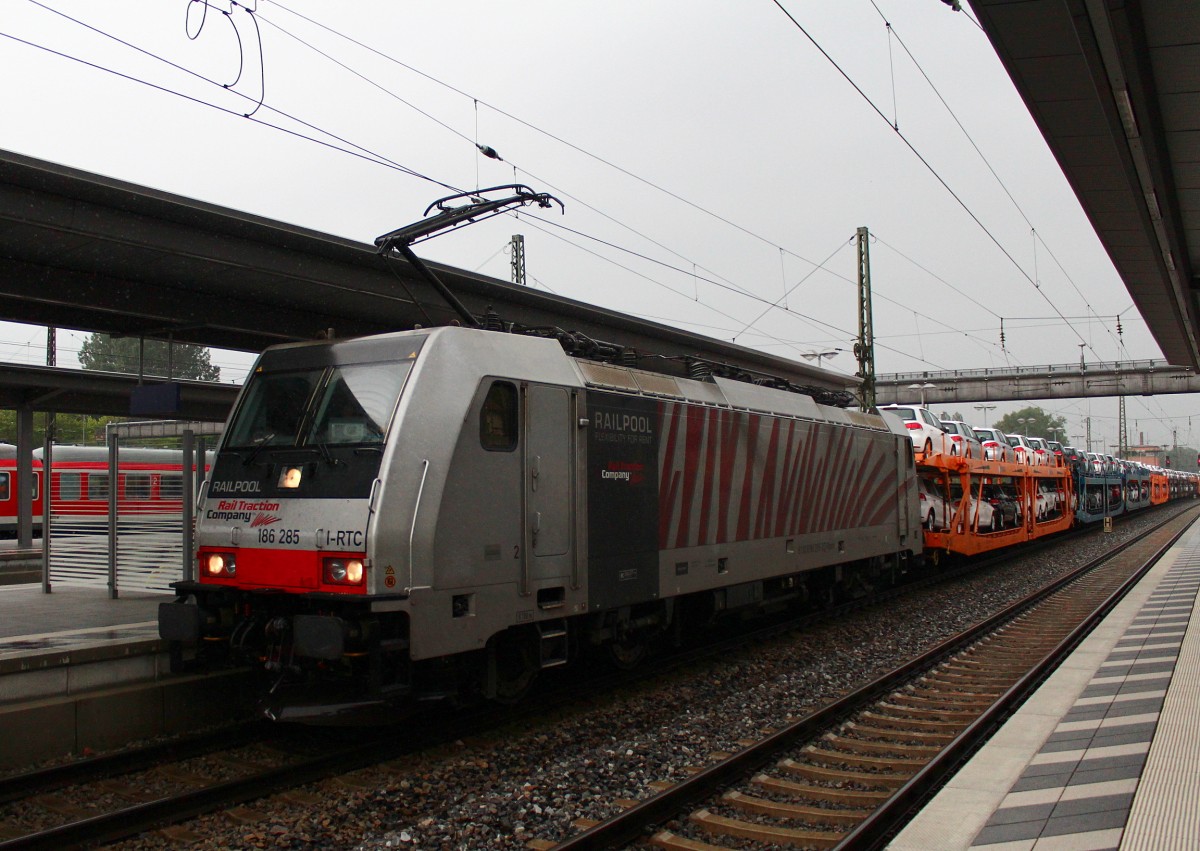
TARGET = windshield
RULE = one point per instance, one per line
(348, 404)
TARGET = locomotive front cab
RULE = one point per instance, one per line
(284, 562)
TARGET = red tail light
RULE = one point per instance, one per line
(913, 426)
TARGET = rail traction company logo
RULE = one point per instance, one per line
(243, 511)
(624, 471)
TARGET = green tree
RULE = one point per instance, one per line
(1038, 423)
(121, 354)
(78, 429)
(1180, 457)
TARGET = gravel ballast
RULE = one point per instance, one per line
(533, 779)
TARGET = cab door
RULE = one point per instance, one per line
(549, 477)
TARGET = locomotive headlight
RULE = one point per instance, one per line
(219, 564)
(289, 477)
(344, 571)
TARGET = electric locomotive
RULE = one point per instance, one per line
(446, 512)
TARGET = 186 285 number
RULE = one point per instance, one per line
(279, 536)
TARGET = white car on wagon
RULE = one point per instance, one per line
(1024, 451)
(924, 429)
(964, 439)
(995, 446)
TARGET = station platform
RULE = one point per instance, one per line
(80, 672)
(26, 614)
(1104, 756)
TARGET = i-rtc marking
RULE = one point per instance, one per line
(344, 539)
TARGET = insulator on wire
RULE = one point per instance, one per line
(699, 369)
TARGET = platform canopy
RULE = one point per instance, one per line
(1114, 86)
(87, 252)
(76, 391)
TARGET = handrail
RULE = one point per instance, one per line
(412, 531)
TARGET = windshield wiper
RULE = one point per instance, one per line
(257, 448)
(326, 455)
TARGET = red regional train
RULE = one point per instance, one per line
(150, 481)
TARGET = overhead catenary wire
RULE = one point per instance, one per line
(535, 178)
(378, 159)
(780, 248)
(355, 150)
(559, 190)
(921, 158)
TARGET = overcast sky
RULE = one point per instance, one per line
(712, 157)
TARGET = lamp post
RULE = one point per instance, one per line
(985, 409)
(820, 356)
(1054, 433)
(1024, 421)
(922, 388)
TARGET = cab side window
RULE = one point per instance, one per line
(498, 418)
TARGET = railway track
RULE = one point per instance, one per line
(259, 761)
(847, 776)
(106, 798)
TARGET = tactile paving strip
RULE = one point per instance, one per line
(1135, 716)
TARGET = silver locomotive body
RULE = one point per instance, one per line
(449, 511)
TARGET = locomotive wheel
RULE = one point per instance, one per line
(628, 653)
(515, 666)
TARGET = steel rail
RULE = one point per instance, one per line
(22, 786)
(630, 824)
(138, 818)
(883, 823)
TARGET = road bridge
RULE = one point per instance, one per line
(1055, 381)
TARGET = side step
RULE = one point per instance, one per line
(553, 642)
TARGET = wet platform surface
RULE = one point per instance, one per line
(71, 614)
(68, 627)
(1103, 757)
